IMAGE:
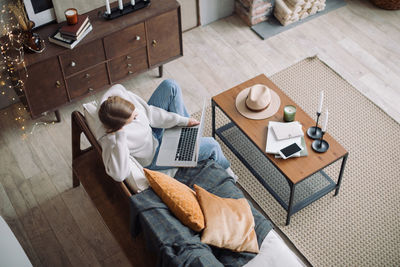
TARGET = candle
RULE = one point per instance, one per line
(71, 14)
(289, 112)
(108, 9)
(325, 121)
(321, 100)
(120, 5)
(132, 2)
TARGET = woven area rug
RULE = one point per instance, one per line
(360, 226)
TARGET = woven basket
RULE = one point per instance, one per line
(387, 4)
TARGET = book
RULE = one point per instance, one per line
(274, 145)
(285, 130)
(78, 36)
(56, 38)
(75, 30)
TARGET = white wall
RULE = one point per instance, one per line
(212, 10)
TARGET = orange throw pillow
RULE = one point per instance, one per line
(179, 198)
(229, 222)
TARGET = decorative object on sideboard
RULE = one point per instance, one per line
(39, 11)
(314, 132)
(321, 145)
(123, 9)
(289, 11)
(71, 15)
(31, 41)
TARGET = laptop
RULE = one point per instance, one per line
(180, 145)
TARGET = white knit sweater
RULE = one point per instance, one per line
(135, 139)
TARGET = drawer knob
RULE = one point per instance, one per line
(91, 89)
(58, 84)
(137, 38)
(128, 57)
(154, 43)
(129, 65)
(87, 75)
(130, 72)
(73, 64)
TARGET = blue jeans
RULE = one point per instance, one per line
(168, 96)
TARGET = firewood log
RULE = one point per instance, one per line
(295, 2)
(307, 5)
(281, 10)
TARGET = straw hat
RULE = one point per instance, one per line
(258, 102)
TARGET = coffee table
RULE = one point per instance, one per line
(305, 173)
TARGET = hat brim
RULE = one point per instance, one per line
(272, 108)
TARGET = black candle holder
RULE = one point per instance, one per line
(128, 8)
(320, 145)
(315, 132)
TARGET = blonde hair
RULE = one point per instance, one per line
(115, 112)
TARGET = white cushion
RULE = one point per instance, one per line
(11, 252)
(275, 253)
(90, 111)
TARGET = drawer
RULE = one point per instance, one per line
(87, 82)
(44, 87)
(82, 57)
(125, 41)
(128, 64)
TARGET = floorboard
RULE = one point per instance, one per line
(58, 225)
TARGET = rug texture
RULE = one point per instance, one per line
(360, 226)
(272, 26)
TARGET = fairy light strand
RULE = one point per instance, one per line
(12, 55)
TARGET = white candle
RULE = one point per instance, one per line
(120, 5)
(132, 2)
(325, 121)
(108, 9)
(321, 100)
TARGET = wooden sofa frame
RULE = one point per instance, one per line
(111, 198)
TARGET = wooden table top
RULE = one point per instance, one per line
(295, 169)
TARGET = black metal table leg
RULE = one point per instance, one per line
(160, 71)
(213, 118)
(341, 174)
(290, 207)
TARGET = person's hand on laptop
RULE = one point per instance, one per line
(193, 122)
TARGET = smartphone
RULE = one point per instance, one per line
(288, 151)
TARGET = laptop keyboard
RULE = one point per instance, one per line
(186, 145)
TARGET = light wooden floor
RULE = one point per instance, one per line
(57, 225)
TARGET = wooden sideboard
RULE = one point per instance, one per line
(114, 50)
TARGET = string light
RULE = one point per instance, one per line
(12, 52)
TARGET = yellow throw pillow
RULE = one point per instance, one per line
(229, 222)
(179, 198)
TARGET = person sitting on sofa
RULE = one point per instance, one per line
(134, 128)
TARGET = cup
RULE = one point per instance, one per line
(71, 14)
(289, 113)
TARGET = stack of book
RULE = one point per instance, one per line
(283, 134)
(70, 35)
